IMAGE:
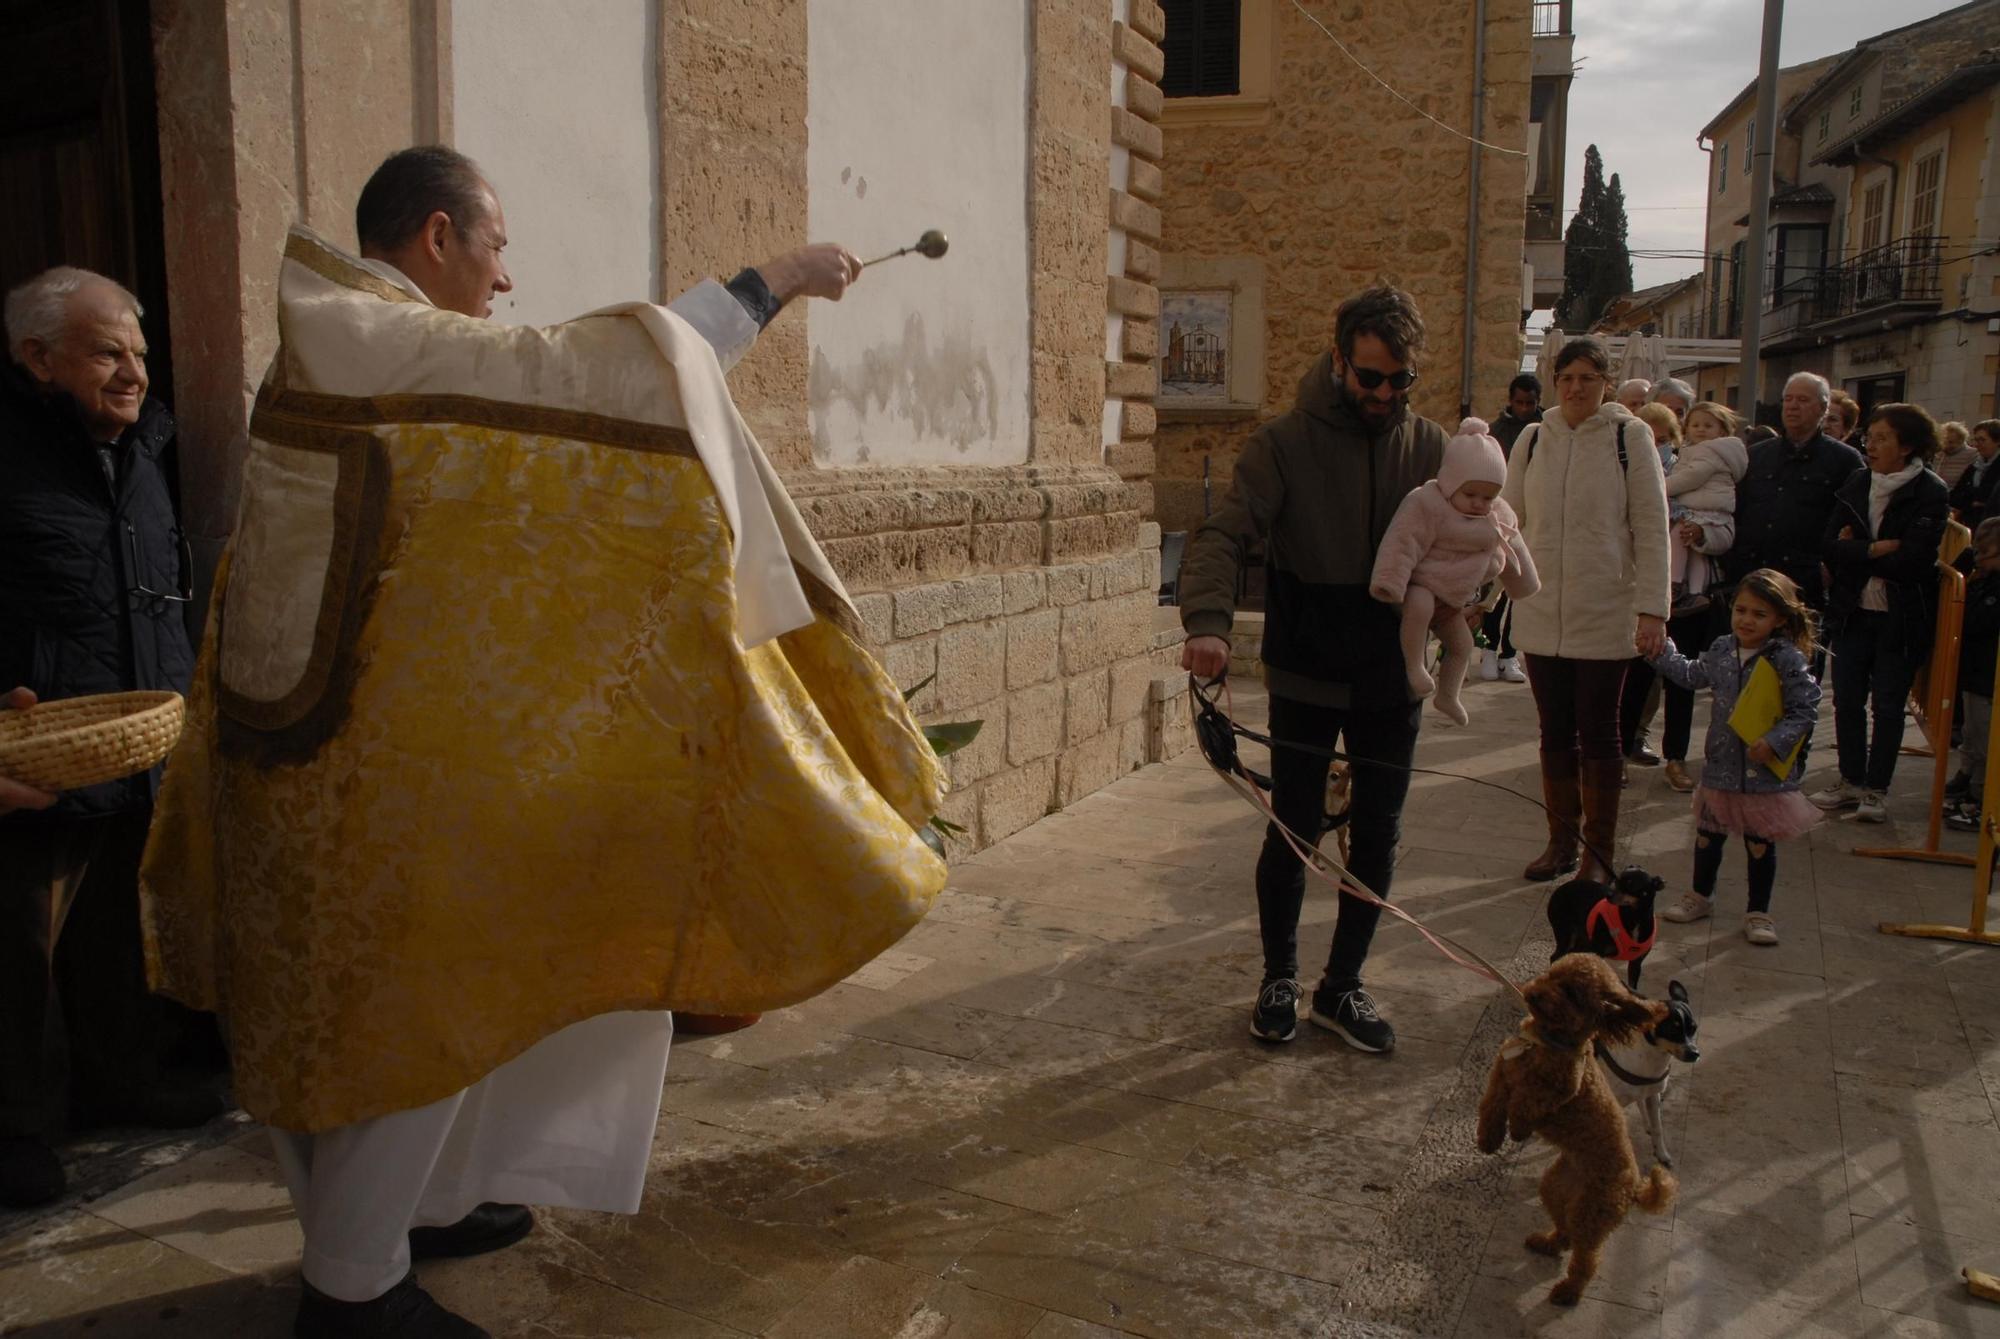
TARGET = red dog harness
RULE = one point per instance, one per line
(1624, 947)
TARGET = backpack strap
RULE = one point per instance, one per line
(1621, 446)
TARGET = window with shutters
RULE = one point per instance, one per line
(1749, 146)
(1203, 47)
(1722, 167)
(1874, 208)
(1854, 102)
(1825, 122)
(1925, 194)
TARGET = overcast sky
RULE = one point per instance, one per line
(1650, 77)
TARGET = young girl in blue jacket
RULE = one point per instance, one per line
(1739, 792)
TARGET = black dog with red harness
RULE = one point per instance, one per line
(1615, 922)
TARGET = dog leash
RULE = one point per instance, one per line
(1216, 733)
(1316, 861)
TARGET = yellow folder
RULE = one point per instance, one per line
(1761, 706)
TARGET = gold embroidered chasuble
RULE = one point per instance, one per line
(525, 697)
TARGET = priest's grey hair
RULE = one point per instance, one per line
(39, 308)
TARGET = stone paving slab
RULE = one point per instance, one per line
(1041, 1115)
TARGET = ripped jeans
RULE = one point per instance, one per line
(1762, 864)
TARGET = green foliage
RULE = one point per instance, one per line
(1597, 266)
(945, 738)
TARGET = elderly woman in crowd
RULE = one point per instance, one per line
(1881, 549)
(1955, 453)
(1587, 486)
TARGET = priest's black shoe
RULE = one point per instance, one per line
(404, 1312)
(30, 1172)
(490, 1227)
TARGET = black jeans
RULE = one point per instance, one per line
(1871, 677)
(1577, 701)
(1499, 629)
(76, 1020)
(1375, 816)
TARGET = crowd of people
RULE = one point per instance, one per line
(1672, 549)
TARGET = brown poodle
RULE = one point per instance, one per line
(1545, 1082)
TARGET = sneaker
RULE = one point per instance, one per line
(1963, 818)
(1276, 1017)
(1870, 808)
(1489, 665)
(1760, 929)
(1841, 794)
(1677, 776)
(1511, 671)
(1692, 907)
(1958, 787)
(1351, 1014)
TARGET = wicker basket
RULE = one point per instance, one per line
(82, 741)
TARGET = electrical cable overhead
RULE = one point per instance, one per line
(1469, 139)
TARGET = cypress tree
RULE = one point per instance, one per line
(1581, 241)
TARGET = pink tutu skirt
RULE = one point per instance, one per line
(1777, 815)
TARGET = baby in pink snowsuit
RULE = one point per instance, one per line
(1448, 539)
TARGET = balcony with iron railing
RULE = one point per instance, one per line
(1905, 275)
(1552, 18)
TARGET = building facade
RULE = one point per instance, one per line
(970, 438)
(1293, 179)
(1879, 256)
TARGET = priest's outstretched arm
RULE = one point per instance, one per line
(730, 316)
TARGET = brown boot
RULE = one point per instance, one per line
(1560, 793)
(1602, 787)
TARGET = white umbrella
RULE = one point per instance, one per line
(1645, 358)
(1545, 366)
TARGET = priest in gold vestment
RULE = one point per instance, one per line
(528, 710)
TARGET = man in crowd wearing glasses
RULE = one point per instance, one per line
(1317, 488)
(93, 588)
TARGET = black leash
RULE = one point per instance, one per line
(1216, 734)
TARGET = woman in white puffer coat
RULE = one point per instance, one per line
(1587, 487)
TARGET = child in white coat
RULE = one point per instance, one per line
(1448, 539)
(1702, 491)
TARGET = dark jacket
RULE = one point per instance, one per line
(1916, 515)
(70, 622)
(1319, 487)
(1725, 763)
(1979, 636)
(1507, 428)
(1782, 503)
(1973, 497)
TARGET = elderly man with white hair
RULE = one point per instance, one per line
(1676, 395)
(94, 576)
(1783, 501)
(1633, 392)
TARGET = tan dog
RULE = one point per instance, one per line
(1546, 1082)
(1339, 794)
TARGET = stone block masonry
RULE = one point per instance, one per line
(1052, 644)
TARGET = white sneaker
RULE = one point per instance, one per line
(1511, 671)
(1692, 907)
(1489, 665)
(1760, 929)
(1839, 795)
(1870, 808)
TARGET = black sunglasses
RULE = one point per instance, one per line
(1370, 378)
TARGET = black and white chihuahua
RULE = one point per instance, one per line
(1641, 1071)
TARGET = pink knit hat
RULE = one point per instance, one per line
(1472, 455)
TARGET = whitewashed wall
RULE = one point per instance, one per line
(557, 102)
(917, 117)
